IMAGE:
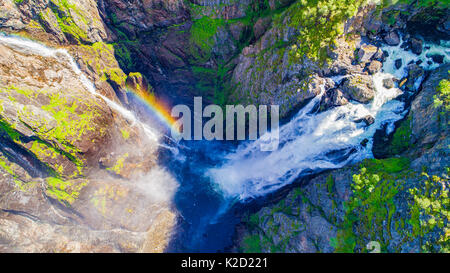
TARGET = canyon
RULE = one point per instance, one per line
(86, 166)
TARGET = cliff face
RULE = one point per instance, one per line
(76, 166)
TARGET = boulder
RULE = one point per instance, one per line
(437, 58)
(366, 52)
(392, 38)
(374, 67)
(368, 120)
(416, 46)
(333, 98)
(398, 63)
(360, 88)
(388, 83)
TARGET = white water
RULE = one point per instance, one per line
(31, 47)
(314, 141)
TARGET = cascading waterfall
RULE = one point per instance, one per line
(314, 141)
(31, 47)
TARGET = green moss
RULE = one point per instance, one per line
(430, 212)
(389, 165)
(71, 124)
(125, 134)
(401, 138)
(252, 244)
(319, 22)
(117, 168)
(330, 184)
(202, 34)
(62, 10)
(67, 192)
(442, 99)
(72, 120)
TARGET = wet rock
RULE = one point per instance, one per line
(388, 83)
(359, 88)
(398, 63)
(392, 38)
(416, 46)
(374, 67)
(368, 120)
(333, 98)
(364, 142)
(380, 55)
(415, 73)
(437, 58)
(366, 52)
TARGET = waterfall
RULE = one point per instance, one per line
(314, 141)
(31, 47)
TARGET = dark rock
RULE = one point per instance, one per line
(380, 55)
(437, 58)
(392, 38)
(398, 63)
(388, 83)
(333, 98)
(373, 25)
(405, 46)
(416, 46)
(368, 120)
(364, 142)
(415, 72)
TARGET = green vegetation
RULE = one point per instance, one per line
(203, 31)
(442, 99)
(320, 22)
(252, 244)
(371, 204)
(118, 167)
(371, 211)
(62, 10)
(56, 137)
(65, 192)
(401, 138)
(431, 210)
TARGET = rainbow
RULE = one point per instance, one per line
(157, 107)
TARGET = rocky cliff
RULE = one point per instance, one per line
(77, 167)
